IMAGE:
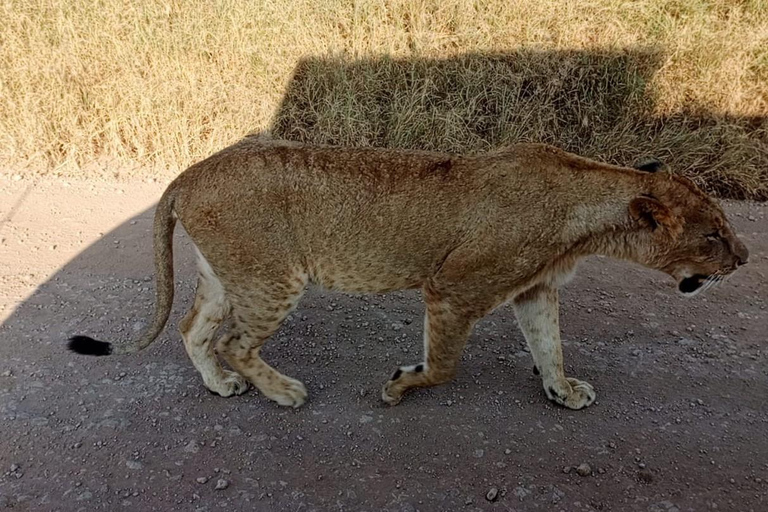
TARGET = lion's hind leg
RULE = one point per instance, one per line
(258, 313)
(198, 328)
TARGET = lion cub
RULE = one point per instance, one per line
(471, 231)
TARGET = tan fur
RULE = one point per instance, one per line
(471, 231)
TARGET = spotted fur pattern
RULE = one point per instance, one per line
(471, 232)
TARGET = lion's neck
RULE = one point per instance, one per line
(603, 228)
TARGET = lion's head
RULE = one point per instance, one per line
(690, 237)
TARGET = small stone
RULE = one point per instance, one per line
(645, 476)
(492, 494)
(192, 447)
(134, 464)
(567, 469)
(17, 177)
(221, 484)
(201, 479)
(86, 495)
(584, 469)
(507, 451)
(7, 373)
(15, 467)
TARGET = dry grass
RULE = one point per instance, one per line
(156, 85)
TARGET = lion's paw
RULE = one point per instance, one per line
(287, 392)
(232, 384)
(403, 379)
(391, 393)
(574, 393)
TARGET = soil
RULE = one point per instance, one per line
(681, 420)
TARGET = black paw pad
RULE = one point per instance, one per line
(554, 394)
(397, 374)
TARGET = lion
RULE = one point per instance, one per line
(472, 232)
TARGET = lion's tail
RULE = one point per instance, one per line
(165, 221)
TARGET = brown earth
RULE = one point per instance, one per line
(681, 421)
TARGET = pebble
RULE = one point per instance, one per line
(192, 447)
(492, 494)
(222, 484)
(201, 479)
(584, 469)
(645, 475)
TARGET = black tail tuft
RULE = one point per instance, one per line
(89, 346)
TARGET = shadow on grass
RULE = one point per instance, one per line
(597, 104)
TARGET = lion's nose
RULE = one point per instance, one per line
(741, 253)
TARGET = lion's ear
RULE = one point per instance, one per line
(649, 165)
(650, 212)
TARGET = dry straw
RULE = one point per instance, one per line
(151, 86)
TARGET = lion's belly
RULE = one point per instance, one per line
(361, 273)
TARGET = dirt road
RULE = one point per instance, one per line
(681, 421)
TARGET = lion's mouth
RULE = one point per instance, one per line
(691, 284)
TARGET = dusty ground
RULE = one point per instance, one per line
(681, 421)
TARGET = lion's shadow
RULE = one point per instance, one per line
(352, 343)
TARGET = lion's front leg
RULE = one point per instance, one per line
(537, 314)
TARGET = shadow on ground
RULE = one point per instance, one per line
(679, 423)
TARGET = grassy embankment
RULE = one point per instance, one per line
(151, 86)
